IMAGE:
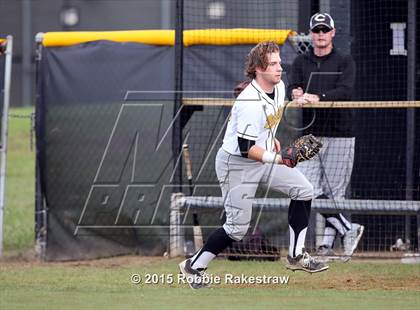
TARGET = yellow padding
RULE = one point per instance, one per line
(167, 37)
(2, 40)
(234, 36)
(153, 37)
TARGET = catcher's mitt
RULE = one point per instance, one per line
(303, 148)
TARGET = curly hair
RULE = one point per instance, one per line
(257, 57)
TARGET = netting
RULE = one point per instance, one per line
(228, 61)
(383, 123)
(381, 39)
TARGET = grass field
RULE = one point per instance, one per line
(20, 184)
(26, 283)
(105, 284)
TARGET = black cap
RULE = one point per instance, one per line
(321, 19)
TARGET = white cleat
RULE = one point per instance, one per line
(306, 263)
(351, 239)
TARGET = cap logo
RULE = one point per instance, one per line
(320, 18)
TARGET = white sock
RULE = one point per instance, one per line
(300, 242)
(337, 224)
(346, 222)
(201, 259)
(329, 236)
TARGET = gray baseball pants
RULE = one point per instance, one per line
(239, 178)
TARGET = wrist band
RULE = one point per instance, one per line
(271, 157)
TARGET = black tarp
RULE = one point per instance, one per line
(89, 144)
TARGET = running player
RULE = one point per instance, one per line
(249, 156)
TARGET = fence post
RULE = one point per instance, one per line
(4, 131)
(411, 95)
(176, 230)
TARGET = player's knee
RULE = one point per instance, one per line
(307, 192)
(237, 232)
(303, 192)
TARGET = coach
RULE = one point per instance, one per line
(325, 74)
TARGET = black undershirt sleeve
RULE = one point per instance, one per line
(244, 146)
